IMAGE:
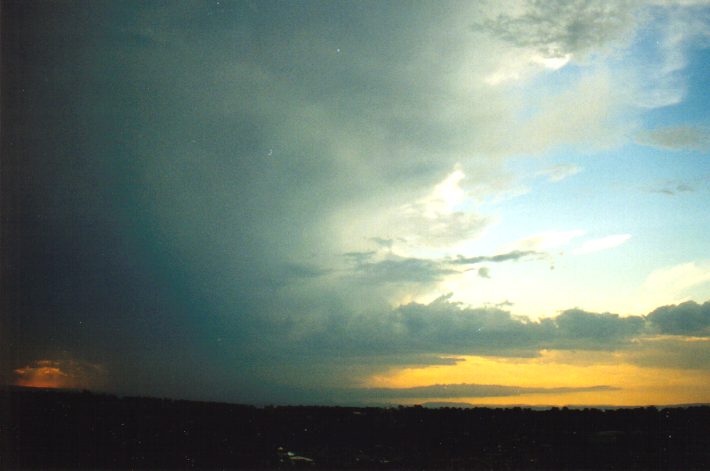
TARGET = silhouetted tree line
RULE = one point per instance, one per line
(60, 429)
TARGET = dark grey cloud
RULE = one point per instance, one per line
(292, 272)
(410, 360)
(402, 270)
(504, 257)
(370, 343)
(578, 329)
(556, 28)
(394, 269)
(689, 318)
(449, 328)
(382, 242)
(360, 257)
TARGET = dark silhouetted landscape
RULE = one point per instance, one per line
(53, 429)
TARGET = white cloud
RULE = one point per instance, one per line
(604, 243)
(548, 240)
(673, 284)
(553, 63)
(443, 199)
(439, 220)
(519, 66)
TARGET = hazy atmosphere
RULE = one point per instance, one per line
(358, 202)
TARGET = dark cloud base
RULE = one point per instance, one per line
(447, 327)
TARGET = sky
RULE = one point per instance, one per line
(358, 202)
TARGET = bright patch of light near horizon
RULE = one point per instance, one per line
(523, 68)
(439, 223)
(553, 63)
(446, 195)
(501, 76)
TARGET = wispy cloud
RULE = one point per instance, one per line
(673, 189)
(463, 390)
(396, 269)
(402, 270)
(559, 172)
(604, 243)
(677, 138)
(515, 255)
(666, 351)
(548, 240)
(672, 284)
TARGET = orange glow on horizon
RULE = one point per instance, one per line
(42, 377)
(633, 385)
(69, 374)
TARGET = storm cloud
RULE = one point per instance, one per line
(254, 196)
